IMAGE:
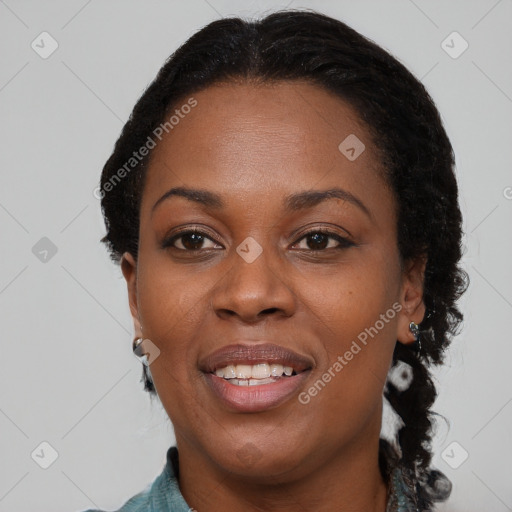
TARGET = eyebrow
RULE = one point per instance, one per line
(293, 202)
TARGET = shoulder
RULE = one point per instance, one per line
(162, 495)
(141, 502)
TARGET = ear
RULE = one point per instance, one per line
(129, 269)
(411, 298)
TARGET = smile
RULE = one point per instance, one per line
(255, 378)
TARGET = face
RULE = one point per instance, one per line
(265, 250)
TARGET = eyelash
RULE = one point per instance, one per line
(344, 243)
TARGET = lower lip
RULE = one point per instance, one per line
(255, 398)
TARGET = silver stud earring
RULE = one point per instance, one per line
(414, 328)
(139, 351)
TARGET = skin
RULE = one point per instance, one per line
(253, 145)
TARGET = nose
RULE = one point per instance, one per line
(254, 291)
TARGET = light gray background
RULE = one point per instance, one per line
(68, 376)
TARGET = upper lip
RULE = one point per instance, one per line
(244, 353)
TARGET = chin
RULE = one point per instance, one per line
(265, 463)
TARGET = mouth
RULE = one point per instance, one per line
(254, 378)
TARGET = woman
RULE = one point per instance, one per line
(283, 206)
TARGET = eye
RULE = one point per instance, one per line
(191, 240)
(320, 240)
(317, 240)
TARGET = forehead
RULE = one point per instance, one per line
(249, 138)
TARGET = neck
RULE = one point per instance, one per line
(349, 480)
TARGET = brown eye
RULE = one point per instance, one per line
(322, 240)
(191, 241)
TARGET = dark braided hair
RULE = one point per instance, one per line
(408, 134)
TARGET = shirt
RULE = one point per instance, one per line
(164, 495)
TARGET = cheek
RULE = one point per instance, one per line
(352, 298)
(170, 320)
(171, 308)
(357, 313)
(169, 296)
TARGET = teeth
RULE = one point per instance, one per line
(243, 371)
(260, 371)
(276, 370)
(247, 372)
(229, 372)
(251, 382)
(257, 382)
